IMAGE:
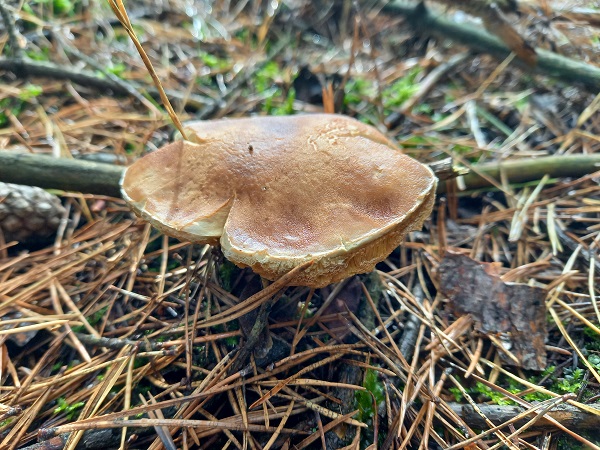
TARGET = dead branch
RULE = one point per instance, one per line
(567, 415)
(114, 343)
(60, 173)
(548, 63)
(92, 440)
(103, 179)
(28, 68)
(531, 169)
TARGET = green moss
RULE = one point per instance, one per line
(30, 91)
(358, 90)
(143, 388)
(418, 142)
(571, 382)
(594, 360)
(267, 82)
(213, 61)
(402, 89)
(368, 402)
(495, 396)
(129, 148)
(6, 422)
(140, 361)
(63, 7)
(228, 273)
(285, 108)
(97, 317)
(423, 108)
(266, 75)
(232, 341)
(65, 408)
(457, 393)
(592, 342)
(364, 399)
(16, 105)
(117, 69)
(58, 7)
(564, 442)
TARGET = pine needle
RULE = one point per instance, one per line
(119, 9)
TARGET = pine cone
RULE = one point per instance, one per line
(28, 213)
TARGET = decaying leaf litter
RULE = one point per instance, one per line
(100, 326)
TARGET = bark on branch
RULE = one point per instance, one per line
(532, 169)
(548, 63)
(60, 173)
(24, 67)
(100, 178)
(567, 415)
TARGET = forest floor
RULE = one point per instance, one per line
(482, 330)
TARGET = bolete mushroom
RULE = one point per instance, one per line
(277, 192)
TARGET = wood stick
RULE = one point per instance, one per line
(25, 67)
(548, 63)
(567, 415)
(531, 169)
(60, 173)
(103, 179)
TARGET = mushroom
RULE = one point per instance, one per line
(276, 192)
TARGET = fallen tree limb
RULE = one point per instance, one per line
(103, 179)
(60, 173)
(91, 440)
(548, 63)
(26, 68)
(567, 415)
(532, 169)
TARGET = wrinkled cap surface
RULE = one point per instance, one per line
(279, 191)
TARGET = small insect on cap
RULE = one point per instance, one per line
(277, 192)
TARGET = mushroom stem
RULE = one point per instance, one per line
(258, 340)
(254, 324)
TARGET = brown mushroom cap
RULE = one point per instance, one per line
(279, 191)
